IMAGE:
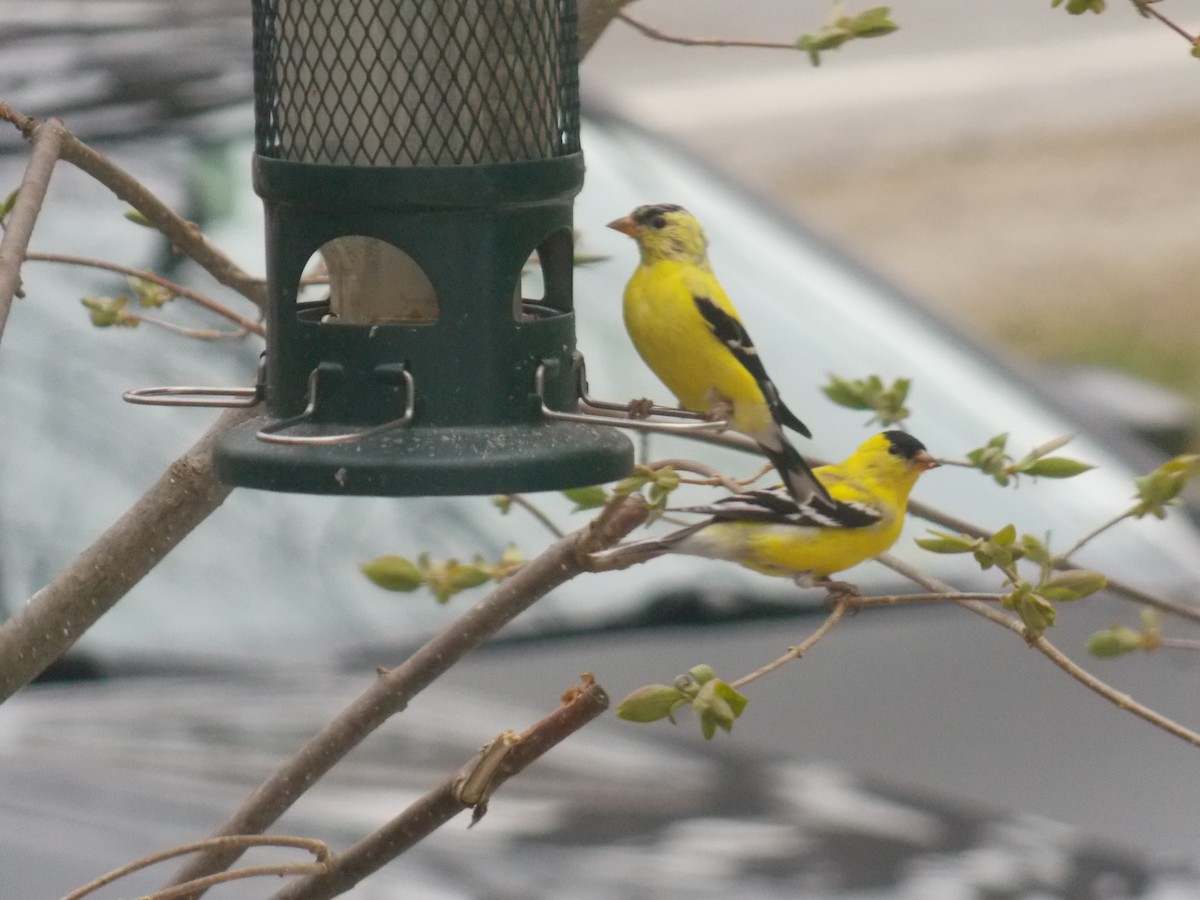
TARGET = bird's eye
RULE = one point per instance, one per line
(894, 450)
(658, 222)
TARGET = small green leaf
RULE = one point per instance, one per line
(702, 674)
(718, 705)
(1115, 642)
(870, 393)
(651, 703)
(393, 573)
(874, 22)
(945, 542)
(1072, 585)
(9, 202)
(1035, 549)
(137, 218)
(1196, 49)
(149, 294)
(1162, 487)
(510, 561)
(1056, 467)
(1005, 537)
(1035, 611)
(503, 502)
(106, 312)
(591, 497)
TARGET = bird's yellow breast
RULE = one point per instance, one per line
(673, 338)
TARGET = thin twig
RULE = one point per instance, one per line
(1095, 532)
(199, 334)
(533, 510)
(835, 615)
(711, 474)
(434, 809)
(183, 235)
(1047, 649)
(594, 17)
(655, 34)
(47, 147)
(1146, 9)
(897, 599)
(392, 690)
(1178, 643)
(1115, 585)
(177, 289)
(317, 848)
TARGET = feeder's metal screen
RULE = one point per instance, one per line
(415, 82)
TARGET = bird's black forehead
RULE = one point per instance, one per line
(908, 445)
(644, 214)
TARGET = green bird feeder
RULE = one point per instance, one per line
(428, 150)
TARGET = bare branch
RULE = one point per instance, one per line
(1144, 7)
(594, 17)
(247, 325)
(835, 616)
(655, 34)
(313, 846)
(57, 615)
(580, 706)
(394, 688)
(183, 234)
(1047, 649)
(47, 147)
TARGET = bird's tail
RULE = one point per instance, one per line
(625, 555)
(797, 475)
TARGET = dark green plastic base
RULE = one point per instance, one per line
(411, 462)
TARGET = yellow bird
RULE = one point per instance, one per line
(688, 332)
(769, 533)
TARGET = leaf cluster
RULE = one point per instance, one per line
(993, 459)
(1120, 639)
(444, 578)
(870, 393)
(715, 703)
(108, 312)
(1034, 600)
(841, 28)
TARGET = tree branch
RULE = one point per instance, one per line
(247, 325)
(1038, 642)
(315, 847)
(394, 688)
(580, 706)
(183, 234)
(57, 615)
(47, 146)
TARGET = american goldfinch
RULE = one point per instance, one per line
(688, 332)
(769, 533)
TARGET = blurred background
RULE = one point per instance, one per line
(1029, 172)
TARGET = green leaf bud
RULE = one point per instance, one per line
(651, 703)
(1114, 642)
(393, 573)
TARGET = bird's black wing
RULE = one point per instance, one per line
(733, 335)
(772, 507)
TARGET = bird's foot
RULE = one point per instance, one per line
(641, 408)
(720, 410)
(838, 591)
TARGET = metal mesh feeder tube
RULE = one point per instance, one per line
(428, 151)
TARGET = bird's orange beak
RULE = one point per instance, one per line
(923, 462)
(624, 225)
